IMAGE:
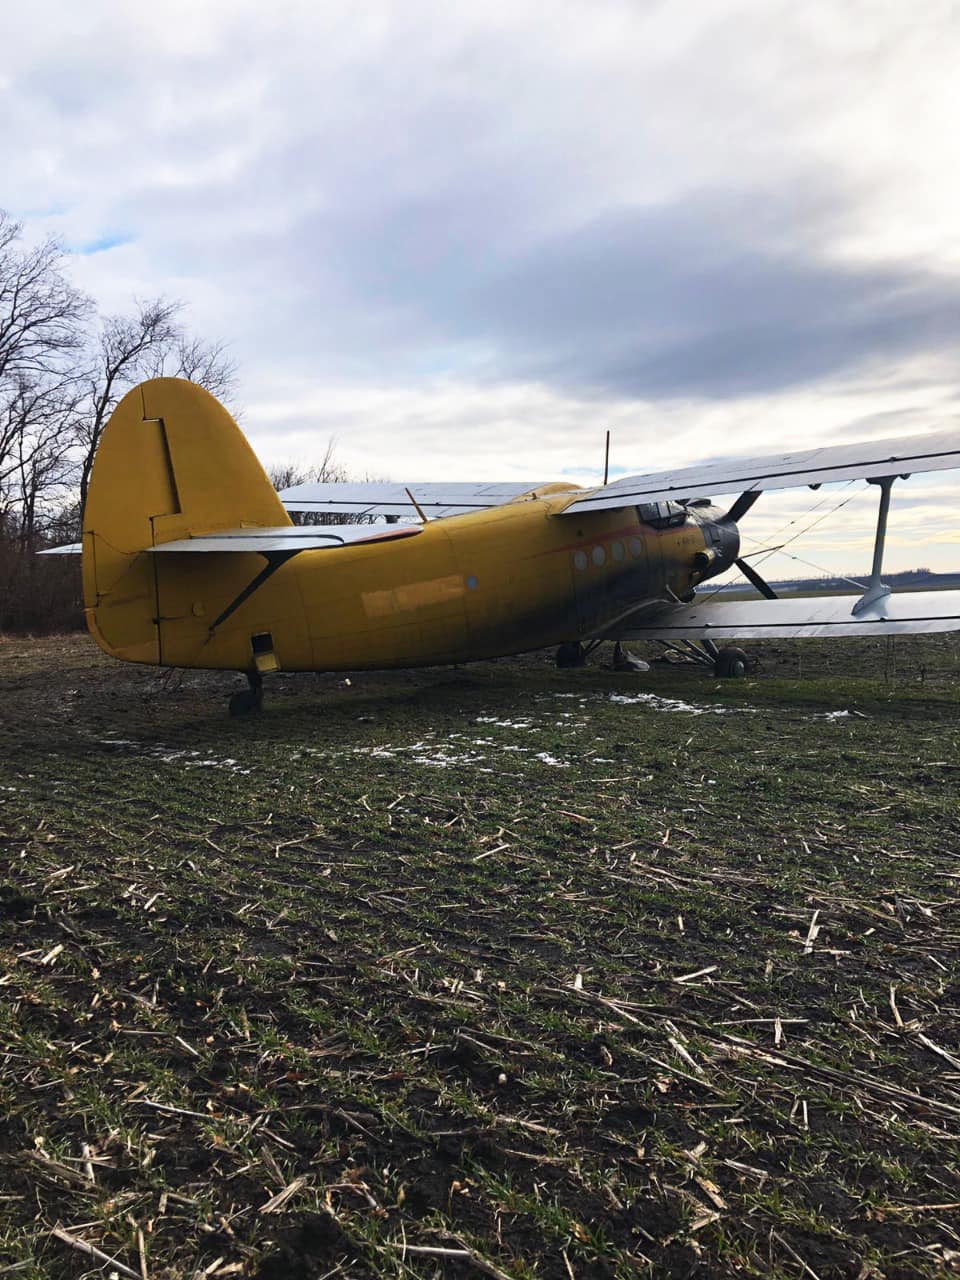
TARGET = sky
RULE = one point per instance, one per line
(466, 240)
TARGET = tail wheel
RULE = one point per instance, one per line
(731, 664)
(245, 702)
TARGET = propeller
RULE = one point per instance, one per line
(743, 505)
(737, 512)
(754, 578)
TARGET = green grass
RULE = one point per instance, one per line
(482, 960)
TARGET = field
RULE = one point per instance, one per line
(498, 971)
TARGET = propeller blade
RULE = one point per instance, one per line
(754, 578)
(743, 505)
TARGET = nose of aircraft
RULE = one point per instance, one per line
(729, 536)
(722, 538)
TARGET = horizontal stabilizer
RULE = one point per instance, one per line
(872, 459)
(68, 549)
(289, 539)
(375, 498)
(907, 613)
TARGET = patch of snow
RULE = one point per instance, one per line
(166, 755)
(506, 724)
(447, 760)
(431, 754)
(657, 703)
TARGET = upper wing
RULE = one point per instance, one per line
(812, 616)
(873, 459)
(393, 498)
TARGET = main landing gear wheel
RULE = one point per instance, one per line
(248, 702)
(731, 664)
(571, 654)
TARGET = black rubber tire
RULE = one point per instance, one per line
(731, 664)
(570, 654)
(245, 702)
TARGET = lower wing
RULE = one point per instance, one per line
(907, 613)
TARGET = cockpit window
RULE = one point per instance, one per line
(662, 515)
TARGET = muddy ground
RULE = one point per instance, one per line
(499, 971)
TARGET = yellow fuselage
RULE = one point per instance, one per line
(173, 465)
(492, 583)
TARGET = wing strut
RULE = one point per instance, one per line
(876, 588)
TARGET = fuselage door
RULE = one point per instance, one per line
(612, 569)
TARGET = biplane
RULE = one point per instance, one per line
(191, 558)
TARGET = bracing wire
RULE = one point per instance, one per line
(816, 506)
(813, 523)
(766, 554)
(806, 529)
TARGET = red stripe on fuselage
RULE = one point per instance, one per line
(625, 531)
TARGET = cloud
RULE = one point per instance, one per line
(467, 239)
(648, 302)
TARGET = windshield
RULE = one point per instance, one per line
(662, 515)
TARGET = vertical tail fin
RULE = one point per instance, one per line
(171, 463)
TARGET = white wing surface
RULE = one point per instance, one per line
(909, 612)
(393, 498)
(872, 459)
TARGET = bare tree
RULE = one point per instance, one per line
(148, 344)
(42, 333)
(329, 470)
(42, 315)
(205, 363)
(45, 415)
